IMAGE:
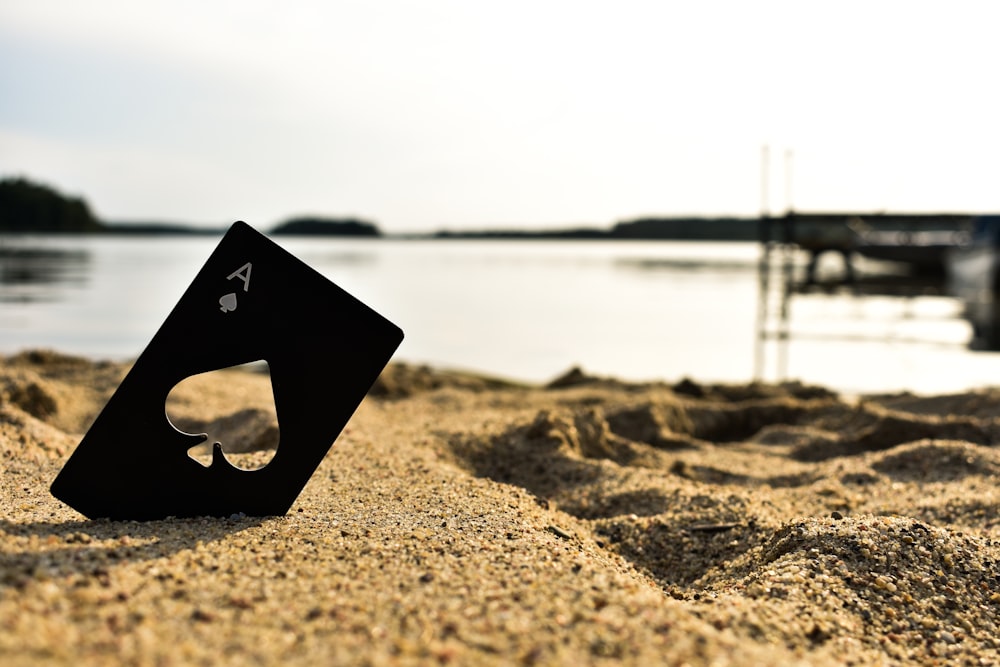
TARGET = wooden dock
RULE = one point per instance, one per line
(907, 250)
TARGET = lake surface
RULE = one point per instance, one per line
(526, 310)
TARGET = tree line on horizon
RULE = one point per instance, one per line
(26, 206)
(675, 229)
(31, 207)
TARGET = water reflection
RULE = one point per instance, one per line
(686, 264)
(30, 274)
(345, 258)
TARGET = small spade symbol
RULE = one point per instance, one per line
(228, 302)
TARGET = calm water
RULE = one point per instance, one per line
(524, 310)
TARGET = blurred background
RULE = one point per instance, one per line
(528, 117)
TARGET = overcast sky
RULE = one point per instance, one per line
(467, 113)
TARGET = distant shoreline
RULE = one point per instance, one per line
(676, 229)
(30, 208)
(643, 229)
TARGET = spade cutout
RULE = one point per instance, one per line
(324, 348)
(243, 421)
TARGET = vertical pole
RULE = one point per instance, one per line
(763, 270)
(787, 285)
(787, 273)
(765, 180)
(789, 207)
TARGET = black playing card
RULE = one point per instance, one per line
(251, 301)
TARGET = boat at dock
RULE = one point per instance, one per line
(923, 251)
(917, 244)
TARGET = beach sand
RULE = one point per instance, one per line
(462, 520)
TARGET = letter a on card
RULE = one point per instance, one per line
(243, 273)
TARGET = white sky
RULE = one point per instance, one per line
(466, 113)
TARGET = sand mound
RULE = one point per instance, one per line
(467, 520)
(937, 461)
(914, 591)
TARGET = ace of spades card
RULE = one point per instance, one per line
(251, 301)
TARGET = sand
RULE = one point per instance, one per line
(462, 520)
